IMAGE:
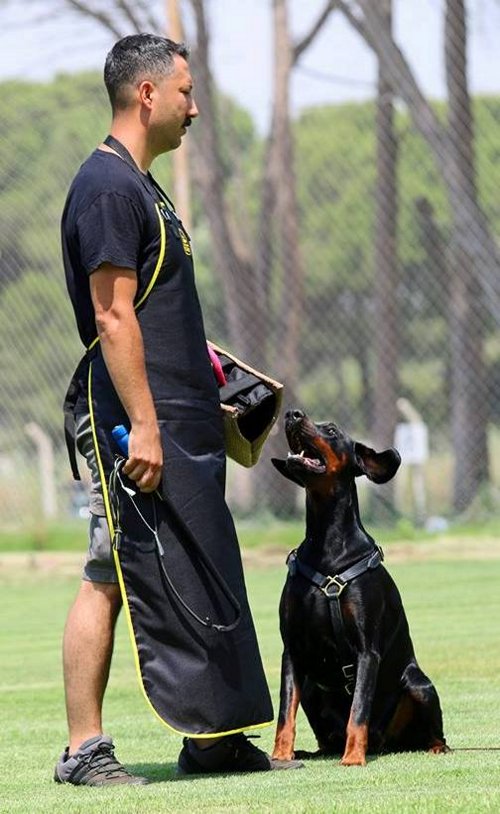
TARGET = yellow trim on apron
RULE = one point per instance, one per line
(154, 277)
(109, 518)
(163, 243)
(123, 591)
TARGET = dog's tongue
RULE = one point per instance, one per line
(309, 463)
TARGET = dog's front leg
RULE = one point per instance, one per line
(357, 726)
(289, 702)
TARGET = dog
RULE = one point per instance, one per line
(348, 658)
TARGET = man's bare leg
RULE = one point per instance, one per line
(87, 650)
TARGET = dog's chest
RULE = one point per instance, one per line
(312, 640)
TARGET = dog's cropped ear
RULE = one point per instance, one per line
(281, 466)
(378, 467)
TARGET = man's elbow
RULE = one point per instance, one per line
(109, 322)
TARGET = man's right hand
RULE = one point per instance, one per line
(145, 457)
(113, 291)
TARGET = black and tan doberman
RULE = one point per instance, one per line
(348, 657)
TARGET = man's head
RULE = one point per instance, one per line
(138, 57)
(150, 75)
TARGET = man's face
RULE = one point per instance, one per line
(173, 107)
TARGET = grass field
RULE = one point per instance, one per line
(454, 611)
(261, 532)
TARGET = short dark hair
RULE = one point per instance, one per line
(136, 57)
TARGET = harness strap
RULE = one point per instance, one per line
(332, 587)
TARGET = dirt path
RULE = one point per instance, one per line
(62, 563)
(442, 548)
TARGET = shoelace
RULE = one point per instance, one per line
(103, 761)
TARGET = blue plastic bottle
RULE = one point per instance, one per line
(120, 434)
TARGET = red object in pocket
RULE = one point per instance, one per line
(217, 367)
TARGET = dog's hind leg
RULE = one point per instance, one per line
(289, 701)
(428, 732)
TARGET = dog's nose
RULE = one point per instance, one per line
(294, 415)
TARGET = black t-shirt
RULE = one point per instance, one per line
(109, 217)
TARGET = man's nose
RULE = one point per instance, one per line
(193, 110)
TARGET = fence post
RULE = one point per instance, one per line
(45, 469)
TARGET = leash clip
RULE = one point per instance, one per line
(337, 582)
(117, 538)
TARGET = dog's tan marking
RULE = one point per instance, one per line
(439, 748)
(401, 718)
(356, 745)
(285, 733)
(334, 463)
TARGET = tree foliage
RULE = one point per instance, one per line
(46, 139)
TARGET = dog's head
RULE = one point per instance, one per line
(320, 453)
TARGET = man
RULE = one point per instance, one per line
(128, 269)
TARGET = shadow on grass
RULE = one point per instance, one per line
(328, 757)
(154, 772)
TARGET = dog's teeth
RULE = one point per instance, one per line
(302, 453)
(289, 455)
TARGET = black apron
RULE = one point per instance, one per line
(178, 559)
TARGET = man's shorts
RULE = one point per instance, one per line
(99, 565)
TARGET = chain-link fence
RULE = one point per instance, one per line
(354, 256)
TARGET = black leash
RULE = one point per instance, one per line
(116, 481)
(332, 587)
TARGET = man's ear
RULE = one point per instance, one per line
(145, 91)
(378, 467)
(282, 467)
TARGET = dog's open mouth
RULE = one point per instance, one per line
(308, 457)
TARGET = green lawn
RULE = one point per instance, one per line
(254, 532)
(454, 612)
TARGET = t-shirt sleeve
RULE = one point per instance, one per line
(109, 231)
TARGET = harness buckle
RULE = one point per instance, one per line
(337, 582)
(349, 671)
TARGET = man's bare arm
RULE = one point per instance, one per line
(113, 290)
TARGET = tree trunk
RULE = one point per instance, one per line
(386, 282)
(180, 157)
(233, 269)
(468, 398)
(386, 278)
(473, 252)
(282, 194)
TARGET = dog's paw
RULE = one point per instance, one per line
(283, 756)
(353, 759)
(439, 748)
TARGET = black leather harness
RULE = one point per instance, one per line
(332, 587)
